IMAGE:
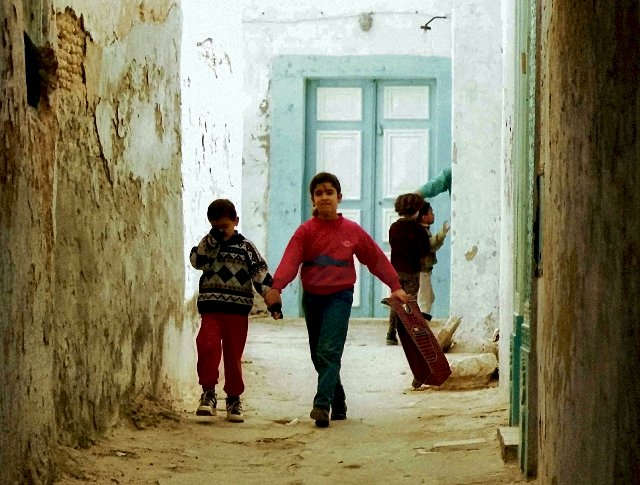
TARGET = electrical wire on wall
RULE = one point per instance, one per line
(322, 16)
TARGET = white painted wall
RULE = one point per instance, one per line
(290, 27)
(477, 170)
(472, 35)
(211, 78)
(506, 206)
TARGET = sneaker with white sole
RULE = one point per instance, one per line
(234, 410)
(208, 403)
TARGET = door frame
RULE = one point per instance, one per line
(287, 135)
(528, 180)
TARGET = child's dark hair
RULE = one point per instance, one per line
(220, 208)
(408, 204)
(425, 209)
(324, 178)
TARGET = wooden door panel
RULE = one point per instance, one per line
(378, 138)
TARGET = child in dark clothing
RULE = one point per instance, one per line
(426, 218)
(232, 267)
(409, 244)
(324, 246)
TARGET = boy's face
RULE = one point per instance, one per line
(326, 199)
(428, 218)
(226, 226)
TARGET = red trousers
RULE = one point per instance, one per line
(222, 334)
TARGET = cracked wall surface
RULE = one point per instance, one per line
(92, 251)
(27, 425)
(211, 110)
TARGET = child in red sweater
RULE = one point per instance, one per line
(324, 246)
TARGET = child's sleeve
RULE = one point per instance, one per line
(437, 240)
(369, 253)
(291, 260)
(258, 270)
(436, 185)
(204, 254)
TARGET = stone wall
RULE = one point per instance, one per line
(92, 253)
(589, 332)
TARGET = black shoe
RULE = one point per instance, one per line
(338, 413)
(321, 417)
(208, 403)
(426, 316)
(391, 338)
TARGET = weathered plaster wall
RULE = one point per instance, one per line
(27, 424)
(291, 27)
(589, 330)
(211, 80)
(477, 170)
(506, 284)
(92, 239)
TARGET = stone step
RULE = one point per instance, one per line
(509, 439)
(470, 371)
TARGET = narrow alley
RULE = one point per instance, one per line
(393, 434)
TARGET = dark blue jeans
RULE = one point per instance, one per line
(327, 318)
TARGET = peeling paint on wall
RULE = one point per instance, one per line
(471, 254)
(212, 59)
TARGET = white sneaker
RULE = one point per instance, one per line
(208, 403)
(234, 410)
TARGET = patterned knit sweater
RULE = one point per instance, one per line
(229, 271)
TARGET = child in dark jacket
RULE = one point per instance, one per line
(231, 268)
(409, 244)
(324, 246)
(426, 218)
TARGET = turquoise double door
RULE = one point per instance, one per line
(382, 138)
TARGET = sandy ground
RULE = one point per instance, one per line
(393, 434)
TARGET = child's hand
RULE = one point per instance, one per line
(217, 234)
(274, 303)
(272, 297)
(276, 311)
(401, 295)
(446, 227)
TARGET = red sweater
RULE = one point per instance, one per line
(325, 249)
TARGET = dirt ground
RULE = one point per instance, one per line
(393, 434)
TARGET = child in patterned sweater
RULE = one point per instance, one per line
(231, 268)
